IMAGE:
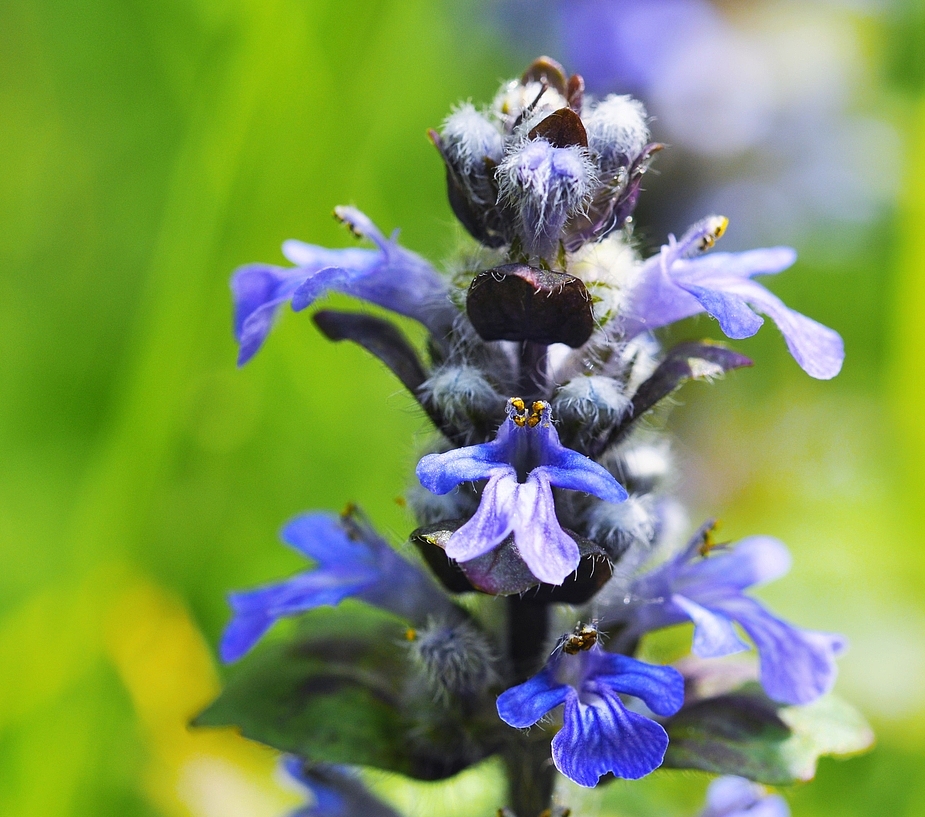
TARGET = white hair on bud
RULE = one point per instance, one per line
(469, 138)
(545, 185)
(595, 402)
(647, 463)
(617, 525)
(461, 391)
(617, 129)
(457, 659)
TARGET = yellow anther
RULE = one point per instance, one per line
(536, 413)
(411, 634)
(518, 404)
(717, 227)
(519, 421)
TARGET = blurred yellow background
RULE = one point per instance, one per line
(146, 150)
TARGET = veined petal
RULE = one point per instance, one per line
(797, 666)
(601, 736)
(549, 552)
(714, 269)
(492, 521)
(755, 560)
(523, 705)
(659, 688)
(389, 276)
(258, 290)
(735, 318)
(714, 634)
(818, 350)
(319, 283)
(322, 537)
(255, 611)
(568, 469)
(440, 473)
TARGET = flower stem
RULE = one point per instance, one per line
(533, 370)
(530, 773)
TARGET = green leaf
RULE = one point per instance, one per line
(747, 734)
(343, 690)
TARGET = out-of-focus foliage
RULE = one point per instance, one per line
(146, 149)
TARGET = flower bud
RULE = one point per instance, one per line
(617, 131)
(545, 186)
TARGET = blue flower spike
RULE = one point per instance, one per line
(353, 561)
(599, 734)
(706, 584)
(682, 281)
(522, 464)
(389, 276)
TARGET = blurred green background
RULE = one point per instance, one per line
(147, 149)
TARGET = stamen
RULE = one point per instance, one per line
(702, 236)
(536, 413)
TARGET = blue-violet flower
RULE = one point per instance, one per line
(352, 561)
(797, 666)
(389, 276)
(674, 285)
(599, 734)
(521, 465)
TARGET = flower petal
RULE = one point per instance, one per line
(602, 736)
(255, 611)
(549, 552)
(523, 705)
(568, 469)
(737, 797)
(659, 688)
(797, 666)
(321, 537)
(714, 635)
(755, 560)
(257, 291)
(319, 283)
(714, 269)
(817, 349)
(492, 521)
(440, 473)
(735, 318)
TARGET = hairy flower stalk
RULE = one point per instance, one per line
(539, 485)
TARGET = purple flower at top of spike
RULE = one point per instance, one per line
(521, 465)
(599, 734)
(680, 282)
(706, 587)
(389, 276)
(336, 791)
(737, 797)
(352, 561)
